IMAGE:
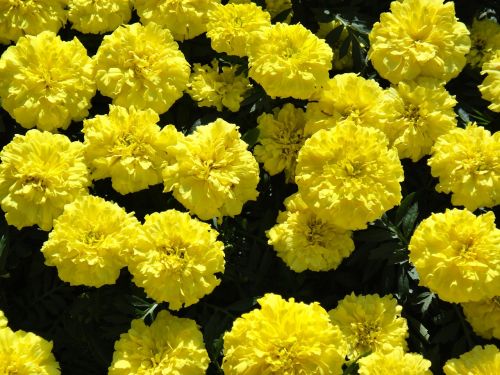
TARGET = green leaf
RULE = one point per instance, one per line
(447, 333)
(404, 206)
(333, 36)
(408, 221)
(425, 300)
(282, 16)
(251, 137)
(344, 47)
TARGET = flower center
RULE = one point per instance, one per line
(34, 181)
(314, 233)
(366, 336)
(282, 355)
(92, 237)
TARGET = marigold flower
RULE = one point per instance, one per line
(283, 337)
(233, 27)
(306, 242)
(490, 88)
(46, 82)
(341, 63)
(176, 258)
(467, 163)
(370, 323)
(21, 18)
(281, 136)
(90, 241)
(480, 360)
(289, 61)
(185, 19)
(26, 353)
(129, 147)
(394, 362)
(141, 66)
(349, 97)
(98, 16)
(214, 173)
(485, 40)
(3, 320)
(423, 112)
(345, 183)
(211, 86)
(484, 317)
(419, 38)
(40, 173)
(457, 255)
(170, 345)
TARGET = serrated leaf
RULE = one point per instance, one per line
(373, 234)
(383, 251)
(282, 16)
(344, 47)
(404, 206)
(447, 333)
(408, 221)
(333, 36)
(425, 299)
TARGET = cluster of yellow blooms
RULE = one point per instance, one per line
(342, 149)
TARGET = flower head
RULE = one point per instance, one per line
(46, 82)
(419, 38)
(283, 337)
(211, 86)
(348, 97)
(214, 174)
(170, 345)
(306, 242)
(184, 18)
(26, 353)
(40, 173)
(90, 241)
(490, 88)
(484, 317)
(289, 61)
(370, 323)
(233, 27)
(457, 255)
(345, 183)
(98, 16)
(394, 362)
(467, 163)
(176, 258)
(423, 112)
(21, 18)
(485, 40)
(141, 66)
(128, 146)
(479, 361)
(281, 136)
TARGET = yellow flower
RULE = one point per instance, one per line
(479, 361)
(90, 241)
(345, 183)
(345, 62)
(370, 323)
(170, 345)
(20, 18)
(26, 353)
(46, 82)
(40, 173)
(214, 173)
(3, 320)
(423, 111)
(490, 88)
(283, 337)
(306, 242)
(467, 163)
(457, 255)
(289, 61)
(275, 7)
(349, 97)
(484, 317)
(233, 27)
(281, 136)
(485, 38)
(394, 362)
(98, 16)
(128, 146)
(419, 38)
(141, 66)
(184, 18)
(211, 86)
(176, 258)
